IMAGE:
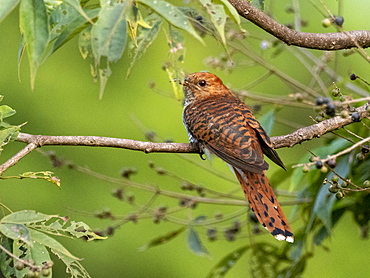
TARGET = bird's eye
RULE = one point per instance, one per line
(202, 83)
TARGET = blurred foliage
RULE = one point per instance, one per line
(186, 196)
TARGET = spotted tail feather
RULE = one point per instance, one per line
(264, 204)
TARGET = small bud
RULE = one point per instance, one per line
(110, 231)
(19, 265)
(312, 158)
(339, 195)
(342, 98)
(333, 189)
(118, 193)
(344, 184)
(326, 22)
(212, 234)
(344, 114)
(324, 169)
(319, 119)
(298, 97)
(335, 92)
(360, 156)
(229, 234)
(305, 169)
(45, 272)
(127, 172)
(335, 178)
(366, 183)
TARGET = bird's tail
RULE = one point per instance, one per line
(264, 204)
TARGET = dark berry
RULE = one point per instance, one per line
(318, 164)
(365, 149)
(331, 163)
(353, 76)
(339, 20)
(356, 117)
(320, 100)
(330, 110)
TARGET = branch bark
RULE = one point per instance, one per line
(289, 140)
(298, 136)
(321, 41)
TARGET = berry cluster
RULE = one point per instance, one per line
(35, 271)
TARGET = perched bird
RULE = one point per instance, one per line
(222, 124)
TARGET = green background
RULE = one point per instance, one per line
(65, 102)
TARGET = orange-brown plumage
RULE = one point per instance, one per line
(221, 123)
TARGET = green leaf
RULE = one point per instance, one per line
(227, 262)
(76, 4)
(74, 28)
(146, 38)
(84, 43)
(323, 232)
(38, 253)
(195, 244)
(6, 7)
(35, 29)
(173, 15)
(324, 200)
(16, 231)
(74, 268)
(26, 217)
(233, 12)
(5, 112)
(21, 250)
(163, 239)
(296, 177)
(50, 242)
(8, 135)
(109, 34)
(6, 262)
(218, 17)
(267, 121)
(80, 229)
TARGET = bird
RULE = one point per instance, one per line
(222, 124)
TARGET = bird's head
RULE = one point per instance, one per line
(202, 85)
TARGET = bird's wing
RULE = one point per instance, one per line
(228, 135)
(263, 138)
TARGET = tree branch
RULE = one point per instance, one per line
(298, 136)
(321, 41)
(289, 140)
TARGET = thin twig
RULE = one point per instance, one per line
(354, 146)
(14, 160)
